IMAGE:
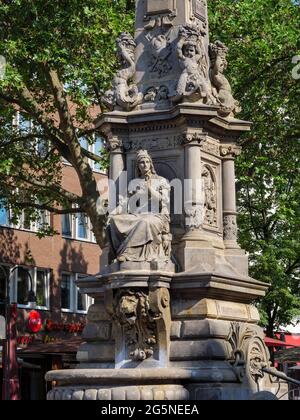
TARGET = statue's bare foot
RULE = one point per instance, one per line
(121, 259)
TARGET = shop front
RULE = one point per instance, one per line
(42, 345)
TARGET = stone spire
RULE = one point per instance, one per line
(170, 60)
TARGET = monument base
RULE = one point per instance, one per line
(214, 381)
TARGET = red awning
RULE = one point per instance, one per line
(272, 342)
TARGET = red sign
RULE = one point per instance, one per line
(70, 328)
(35, 322)
(24, 340)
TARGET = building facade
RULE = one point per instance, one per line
(53, 263)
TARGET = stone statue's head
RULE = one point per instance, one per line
(190, 49)
(144, 163)
(218, 52)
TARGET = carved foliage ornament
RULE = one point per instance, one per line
(124, 93)
(158, 94)
(230, 228)
(207, 145)
(230, 151)
(194, 217)
(114, 144)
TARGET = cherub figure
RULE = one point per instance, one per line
(193, 82)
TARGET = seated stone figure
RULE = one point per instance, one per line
(143, 233)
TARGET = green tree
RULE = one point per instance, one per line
(66, 49)
(263, 36)
(60, 58)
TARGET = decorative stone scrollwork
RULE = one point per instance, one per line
(158, 143)
(114, 144)
(194, 83)
(161, 50)
(210, 217)
(230, 228)
(157, 94)
(123, 93)
(258, 357)
(192, 137)
(221, 86)
(194, 217)
(160, 13)
(132, 311)
(249, 353)
(206, 144)
(138, 312)
(230, 151)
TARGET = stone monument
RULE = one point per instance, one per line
(173, 316)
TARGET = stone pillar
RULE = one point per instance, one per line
(192, 186)
(117, 162)
(116, 169)
(196, 248)
(228, 154)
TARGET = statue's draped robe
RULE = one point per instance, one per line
(139, 236)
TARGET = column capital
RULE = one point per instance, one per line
(193, 139)
(230, 151)
(114, 145)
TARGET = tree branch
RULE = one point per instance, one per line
(29, 105)
(67, 195)
(91, 155)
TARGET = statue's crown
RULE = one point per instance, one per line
(142, 154)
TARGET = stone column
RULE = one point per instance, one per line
(192, 186)
(116, 169)
(117, 162)
(228, 153)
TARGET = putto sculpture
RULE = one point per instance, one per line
(143, 234)
(221, 86)
(194, 81)
(124, 93)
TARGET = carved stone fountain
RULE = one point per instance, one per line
(173, 315)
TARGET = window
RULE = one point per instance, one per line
(41, 288)
(43, 220)
(25, 126)
(78, 227)
(82, 227)
(81, 300)
(4, 215)
(42, 147)
(3, 280)
(65, 290)
(97, 149)
(21, 285)
(66, 225)
(24, 221)
(71, 299)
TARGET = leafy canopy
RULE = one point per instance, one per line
(263, 36)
